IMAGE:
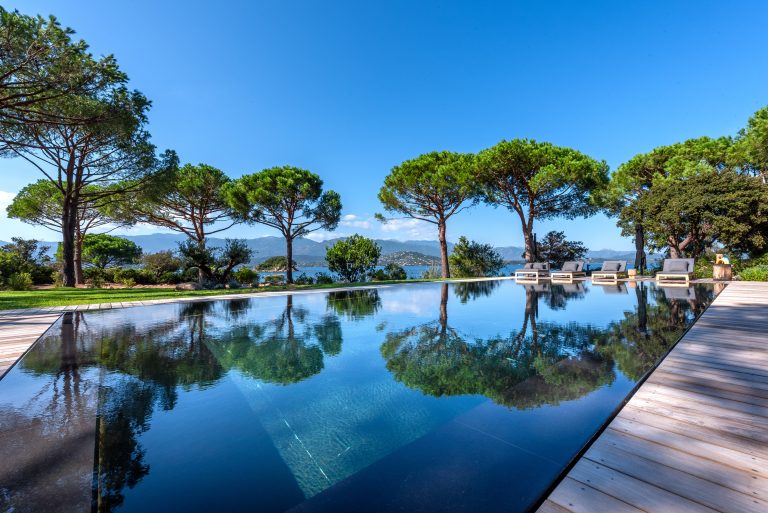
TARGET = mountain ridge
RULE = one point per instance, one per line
(308, 251)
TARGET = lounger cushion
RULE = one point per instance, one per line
(570, 267)
(528, 266)
(611, 267)
(677, 266)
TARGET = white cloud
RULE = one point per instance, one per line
(15, 228)
(5, 199)
(321, 235)
(409, 229)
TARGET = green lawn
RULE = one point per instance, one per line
(10, 300)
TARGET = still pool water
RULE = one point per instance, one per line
(465, 397)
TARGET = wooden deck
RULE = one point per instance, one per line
(18, 331)
(695, 435)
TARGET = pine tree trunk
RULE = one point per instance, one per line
(200, 273)
(78, 258)
(639, 248)
(446, 271)
(530, 245)
(68, 226)
(289, 259)
(444, 308)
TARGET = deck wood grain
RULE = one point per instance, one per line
(695, 435)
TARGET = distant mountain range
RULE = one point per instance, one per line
(308, 252)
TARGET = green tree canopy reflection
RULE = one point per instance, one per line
(354, 304)
(285, 349)
(645, 334)
(541, 363)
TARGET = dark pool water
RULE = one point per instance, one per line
(465, 397)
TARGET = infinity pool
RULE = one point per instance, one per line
(465, 397)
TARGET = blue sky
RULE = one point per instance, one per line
(349, 89)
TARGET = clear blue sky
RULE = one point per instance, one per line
(349, 89)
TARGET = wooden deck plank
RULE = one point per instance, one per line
(19, 331)
(695, 435)
(749, 483)
(580, 498)
(638, 493)
(709, 493)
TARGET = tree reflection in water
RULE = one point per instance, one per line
(354, 304)
(644, 335)
(292, 346)
(467, 291)
(283, 350)
(541, 363)
(140, 369)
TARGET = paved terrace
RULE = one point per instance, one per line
(695, 435)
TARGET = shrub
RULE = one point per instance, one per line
(89, 273)
(303, 279)
(161, 263)
(274, 279)
(471, 259)
(140, 276)
(432, 273)
(702, 268)
(128, 283)
(43, 275)
(323, 279)
(246, 275)
(171, 278)
(756, 273)
(97, 282)
(215, 264)
(391, 271)
(740, 265)
(379, 275)
(20, 281)
(234, 284)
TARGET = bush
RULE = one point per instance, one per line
(26, 256)
(89, 273)
(391, 271)
(472, 259)
(303, 279)
(140, 276)
(432, 273)
(234, 284)
(20, 281)
(171, 278)
(702, 268)
(43, 275)
(97, 282)
(323, 279)
(247, 276)
(128, 283)
(161, 263)
(740, 265)
(274, 279)
(756, 273)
